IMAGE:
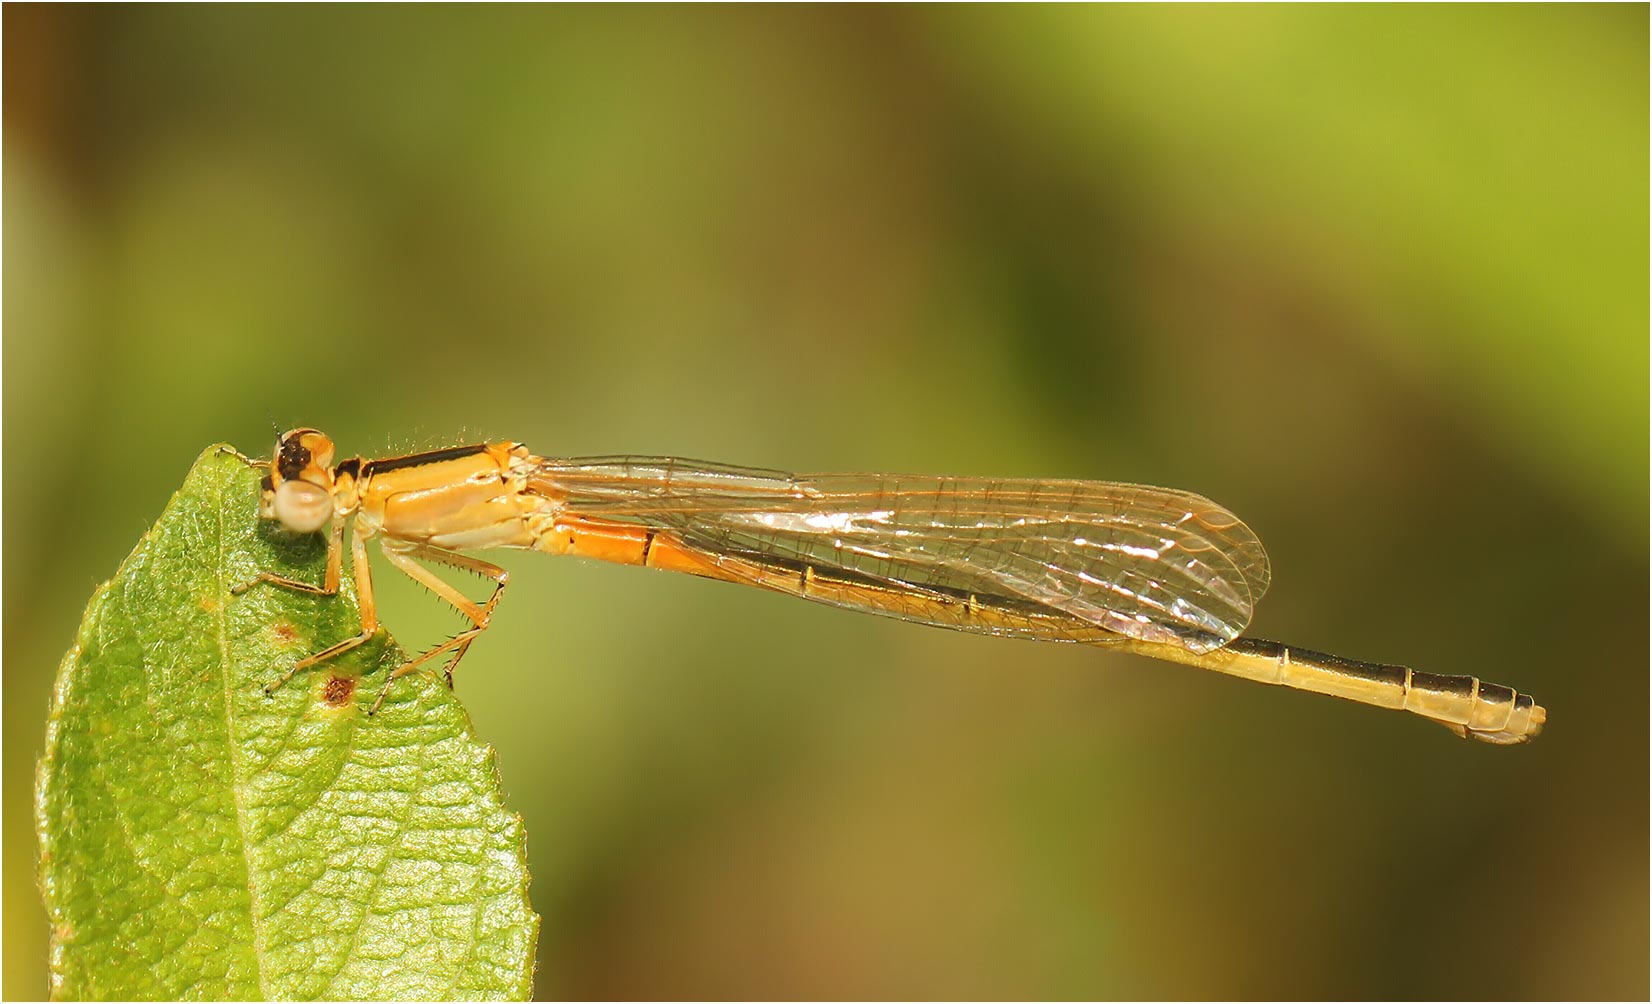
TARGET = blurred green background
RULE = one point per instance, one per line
(1375, 278)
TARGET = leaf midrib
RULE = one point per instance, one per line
(236, 767)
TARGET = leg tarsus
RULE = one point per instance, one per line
(224, 448)
(333, 575)
(284, 582)
(330, 652)
(461, 641)
(447, 671)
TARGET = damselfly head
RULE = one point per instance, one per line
(298, 492)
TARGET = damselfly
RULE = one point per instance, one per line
(1161, 573)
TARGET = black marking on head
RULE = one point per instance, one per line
(292, 459)
(420, 459)
(267, 483)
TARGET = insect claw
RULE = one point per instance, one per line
(224, 449)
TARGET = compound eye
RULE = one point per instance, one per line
(302, 507)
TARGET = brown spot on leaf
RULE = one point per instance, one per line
(284, 632)
(337, 691)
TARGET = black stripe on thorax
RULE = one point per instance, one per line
(421, 459)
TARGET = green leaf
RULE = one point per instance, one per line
(200, 840)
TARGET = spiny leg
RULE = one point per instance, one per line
(335, 569)
(461, 641)
(487, 569)
(364, 595)
(402, 555)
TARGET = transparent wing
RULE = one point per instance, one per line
(1151, 564)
